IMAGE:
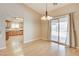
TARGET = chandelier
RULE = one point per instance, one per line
(46, 16)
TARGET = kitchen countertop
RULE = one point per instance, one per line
(13, 30)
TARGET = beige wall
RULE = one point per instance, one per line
(32, 28)
(61, 11)
(44, 26)
(32, 23)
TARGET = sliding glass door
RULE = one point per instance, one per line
(59, 30)
(63, 22)
(54, 31)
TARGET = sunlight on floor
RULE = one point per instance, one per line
(16, 46)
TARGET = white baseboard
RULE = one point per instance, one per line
(32, 40)
(29, 41)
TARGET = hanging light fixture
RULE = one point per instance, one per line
(46, 17)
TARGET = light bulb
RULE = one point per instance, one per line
(46, 18)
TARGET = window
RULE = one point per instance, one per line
(15, 25)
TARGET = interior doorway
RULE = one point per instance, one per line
(60, 30)
(14, 28)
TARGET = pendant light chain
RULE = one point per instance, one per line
(46, 17)
(46, 10)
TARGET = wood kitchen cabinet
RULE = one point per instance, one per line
(13, 33)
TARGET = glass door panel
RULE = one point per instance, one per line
(59, 30)
(54, 30)
(63, 29)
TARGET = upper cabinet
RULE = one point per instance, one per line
(14, 24)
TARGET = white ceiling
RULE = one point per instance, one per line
(41, 7)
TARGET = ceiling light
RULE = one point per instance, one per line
(46, 17)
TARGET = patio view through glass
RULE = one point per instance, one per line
(59, 30)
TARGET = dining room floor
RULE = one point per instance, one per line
(15, 47)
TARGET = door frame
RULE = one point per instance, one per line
(5, 31)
